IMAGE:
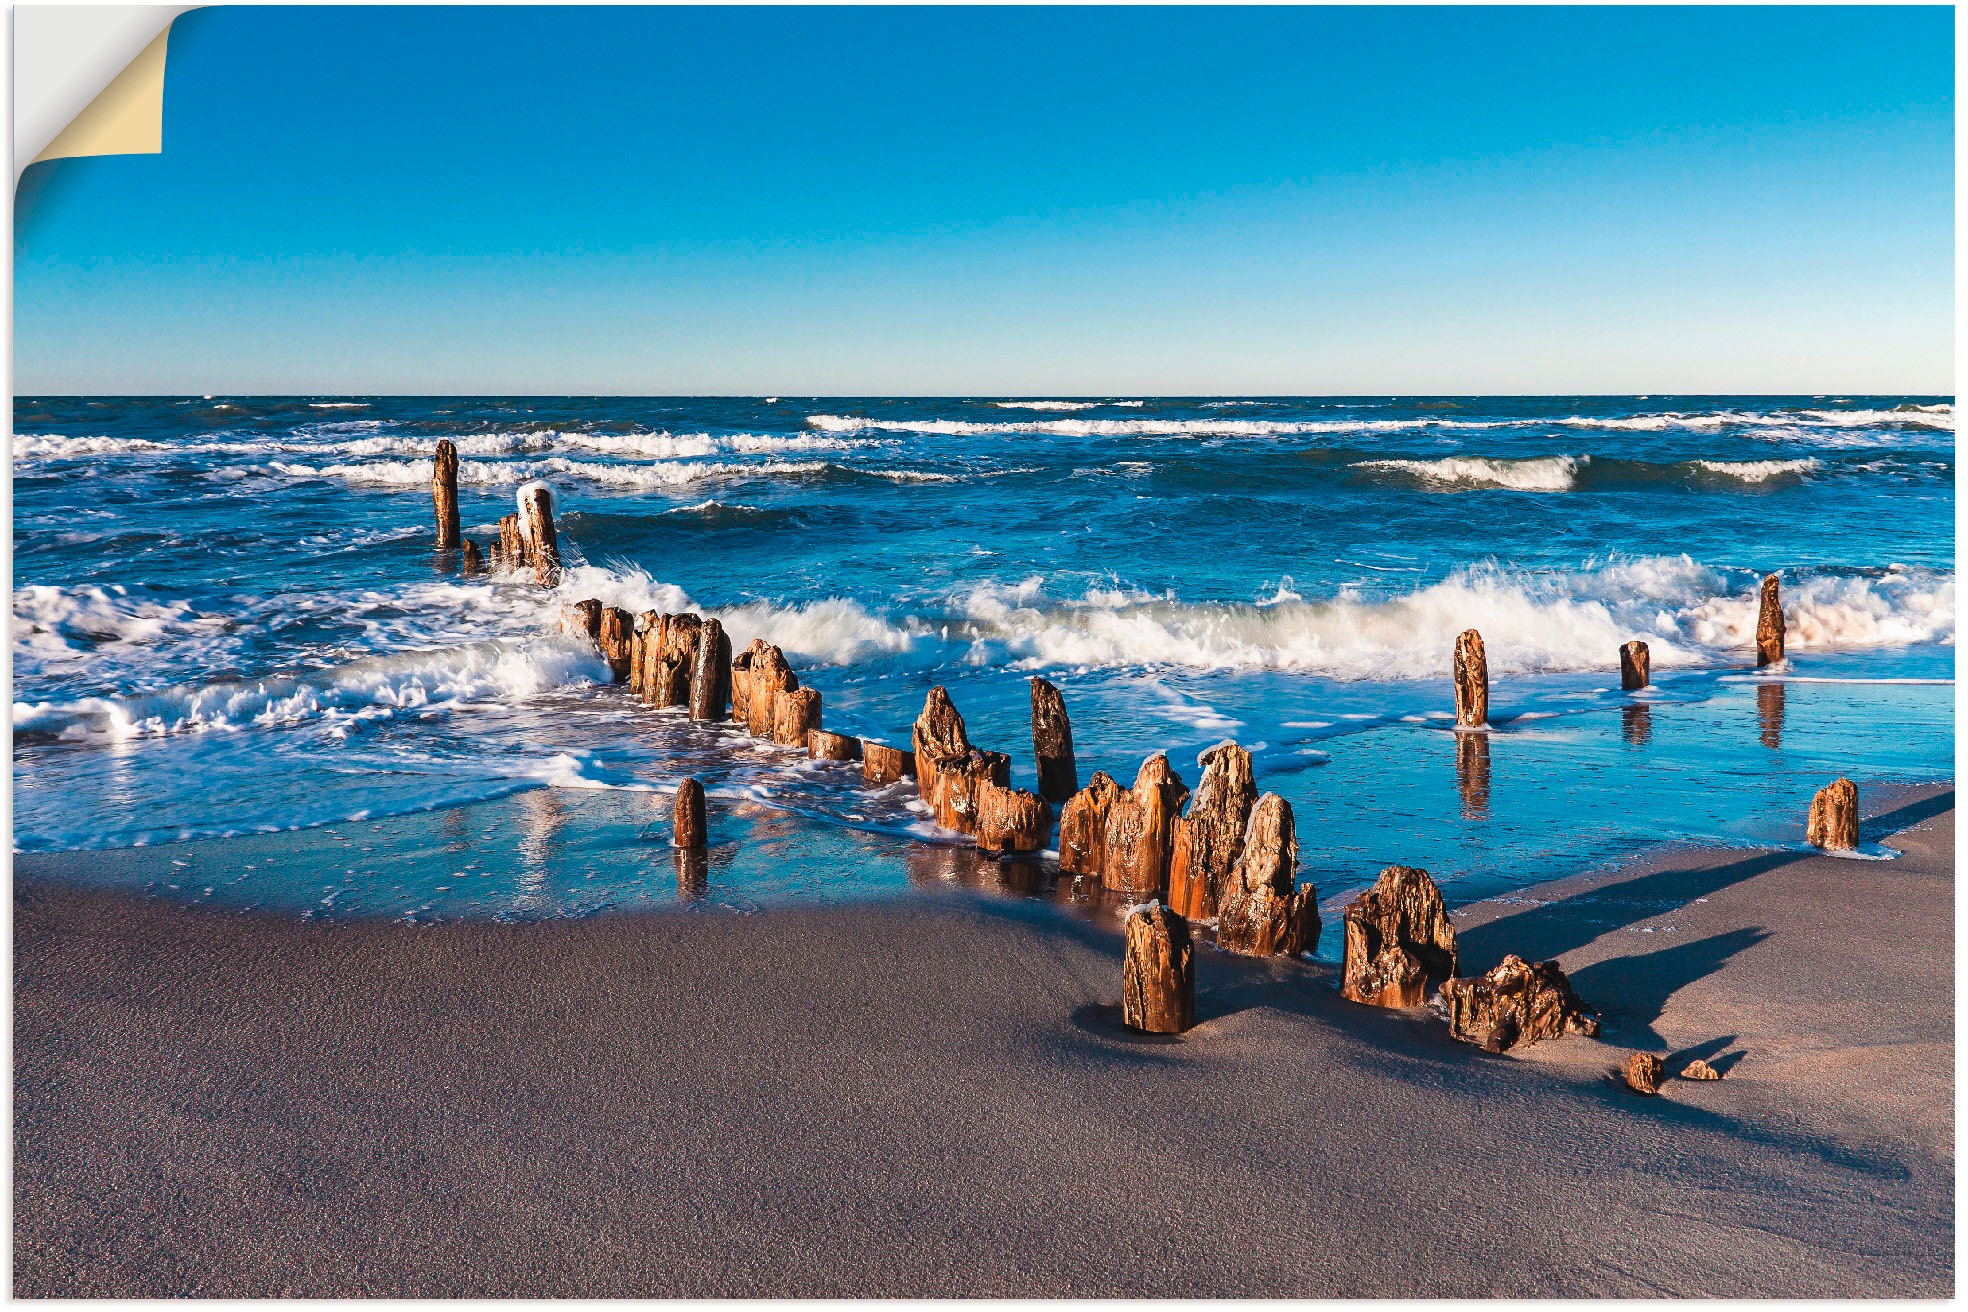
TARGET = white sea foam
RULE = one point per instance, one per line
(1759, 471)
(660, 474)
(318, 442)
(1045, 405)
(338, 405)
(1536, 474)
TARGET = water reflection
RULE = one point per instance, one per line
(543, 817)
(1473, 774)
(693, 873)
(1770, 711)
(1637, 723)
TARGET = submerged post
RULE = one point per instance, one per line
(1158, 977)
(1770, 624)
(474, 560)
(1635, 666)
(444, 494)
(687, 828)
(536, 526)
(1472, 681)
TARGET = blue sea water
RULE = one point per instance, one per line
(229, 619)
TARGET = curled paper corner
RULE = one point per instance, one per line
(127, 116)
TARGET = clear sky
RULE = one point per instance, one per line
(1013, 201)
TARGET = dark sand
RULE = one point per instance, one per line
(930, 1097)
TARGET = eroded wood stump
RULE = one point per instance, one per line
(1158, 976)
(741, 680)
(676, 657)
(1643, 1073)
(639, 656)
(940, 742)
(583, 618)
(1052, 743)
(710, 674)
(1083, 827)
(824, 746)
(882, 764)
(960, 785)
(768, 679)
(1770, 623)
(536, 525)
(1205, 842)
(473, 561)
(1398, 941)
(444, 494)
(512, 544)
(1139, 827)
(687, 826)
(1472, 680)
(616, 638)
(1517, 1003)
(1636, 666)
(1011, 819)
(1834, 821)
(1263, 910)
(795, 714)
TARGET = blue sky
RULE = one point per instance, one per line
(1012, 201)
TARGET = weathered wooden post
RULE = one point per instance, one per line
(1204, 844)
(1472, 681)
(824, 746)
(710, 674)
(1770, 624)
(444, 494)
(794, 715)
(768, 679)
(687, 827)
(1052, 743)
(583, 618)
(939, 740)
(1398, 941)
(1263, 911)
(639, 653)
(882, 764)
(1834, 821)
(667, 683)
(1635, 666)
(615, 637)
(1139, 825)
(537, 528)
(1517, 1003)
(1083, 827)
(1011, 819)
(512, 544)
(1643, 1073)
(1158, 976)
(474, 560)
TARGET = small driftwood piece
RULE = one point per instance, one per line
(1643, 1073)
(1158, 976)
(1398, 941)
(1517, 1003)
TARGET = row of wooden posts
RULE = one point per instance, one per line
(1231, 857)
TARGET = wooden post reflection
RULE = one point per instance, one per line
(1637, 723)
(1473, 774)
(1770, 711)
(693, 873)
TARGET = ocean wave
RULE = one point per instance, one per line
(1570, 473)
(1535, 474)
(1759, 471)
(319, 443)
(662, 474)
(1046, 405)
(338, 405)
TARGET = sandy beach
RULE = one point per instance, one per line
(931, 1096)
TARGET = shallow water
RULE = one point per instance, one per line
(228, 620)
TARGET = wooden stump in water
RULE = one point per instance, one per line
(1011, 819)
(473, 561)
(824, 746)
(1517, 1003)
(1052, 743)
(616, 638)
(583, 617)
(1770, 624)
(769, 680)
(940, 742)
(1643, 1073)
(537, 527)
(1398, 941)
(669, 676)
(795, 714)
(710, 674)
(639, 662)
(1472, 680)
(1263, 911)
(741, 680)
(960, 786)
(1138, 836)
(1204, 844)
(882, 764)
(1834, 820)
(444, 495)
(1083, 827)
(687, 827)
(512, 544)
(1635, 666)
(1158, 976)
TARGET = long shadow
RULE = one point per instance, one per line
(1905, 817)
(1543, 932)
(1632, 991)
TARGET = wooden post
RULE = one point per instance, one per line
(687, 828)
(1635, 667)
(1052, 743)
(710, 674)
(1399, 940)
(512, 544)
(585, 618)
(794, 715)
(1011, 819)
(1264, 911)
(1834, 820)
(1158, 977)
(615, 636)
(639, 655)
(1770, 624)
(1472, 681)
(1083, 827)
(474, 560)
(537, 527)
(1139, 831)
(444, 494)
(668, 680)
(769, 679)
(1204, 843)
(882, 764)
(824, 746)
(1643, 1073)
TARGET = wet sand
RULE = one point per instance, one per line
(931, 1096)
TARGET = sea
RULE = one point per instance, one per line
(229, 620)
